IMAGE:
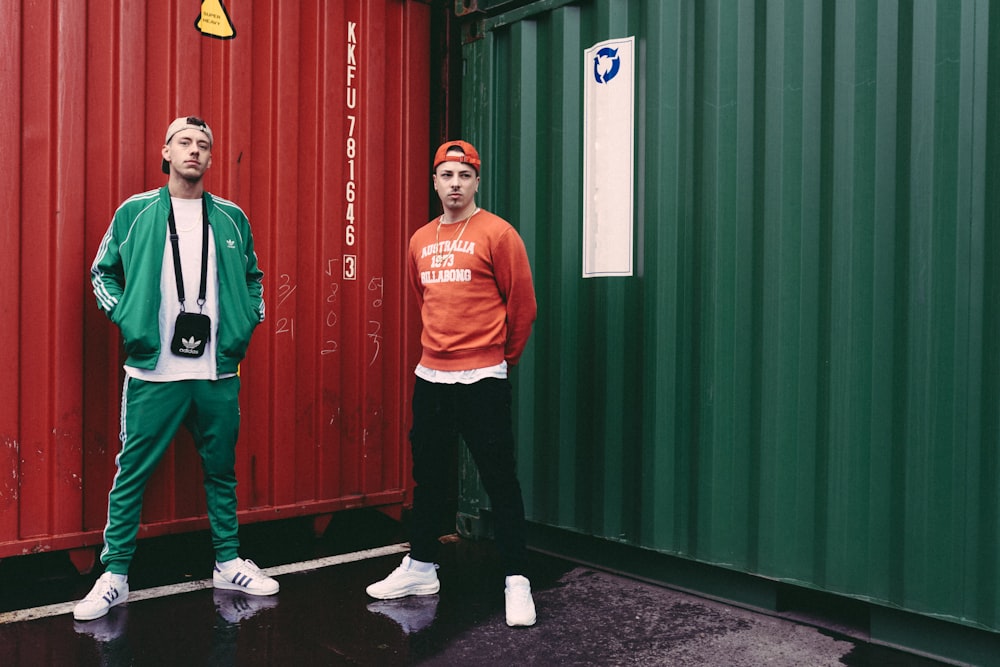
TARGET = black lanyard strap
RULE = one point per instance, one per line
(177, 254)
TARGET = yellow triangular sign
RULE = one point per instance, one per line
(214, 20)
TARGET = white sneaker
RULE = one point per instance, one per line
(244, 575)
(520, 606)
(405, 581)
(107, 592)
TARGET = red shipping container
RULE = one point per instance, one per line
(321, 117)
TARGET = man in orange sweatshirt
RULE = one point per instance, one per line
(471, 275)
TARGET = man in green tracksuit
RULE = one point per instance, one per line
(177, 273)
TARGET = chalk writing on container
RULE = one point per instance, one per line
(330, 344)
(285, 289)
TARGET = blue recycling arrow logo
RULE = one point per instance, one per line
(606, 65)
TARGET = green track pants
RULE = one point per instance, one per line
(152, 413)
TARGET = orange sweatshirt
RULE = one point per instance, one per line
(473, 285)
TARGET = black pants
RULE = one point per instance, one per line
(481, 414)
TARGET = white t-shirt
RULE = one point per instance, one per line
(169, 366)
(461, 377)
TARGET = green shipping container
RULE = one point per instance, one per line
(800, 379)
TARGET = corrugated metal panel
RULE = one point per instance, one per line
(801, 379)
(315, 105)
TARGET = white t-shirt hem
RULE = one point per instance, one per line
(461, 377)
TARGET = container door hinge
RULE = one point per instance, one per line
(466, 7)
(472, 31)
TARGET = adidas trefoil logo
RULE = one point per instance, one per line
(231, 244)
(191, 345)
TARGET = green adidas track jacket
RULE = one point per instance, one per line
(126, 277)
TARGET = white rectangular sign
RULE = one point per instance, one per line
(608, 158)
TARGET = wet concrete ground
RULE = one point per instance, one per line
(322, 615)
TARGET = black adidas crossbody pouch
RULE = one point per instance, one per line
(192, 331)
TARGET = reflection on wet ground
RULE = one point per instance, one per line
(322, 615)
